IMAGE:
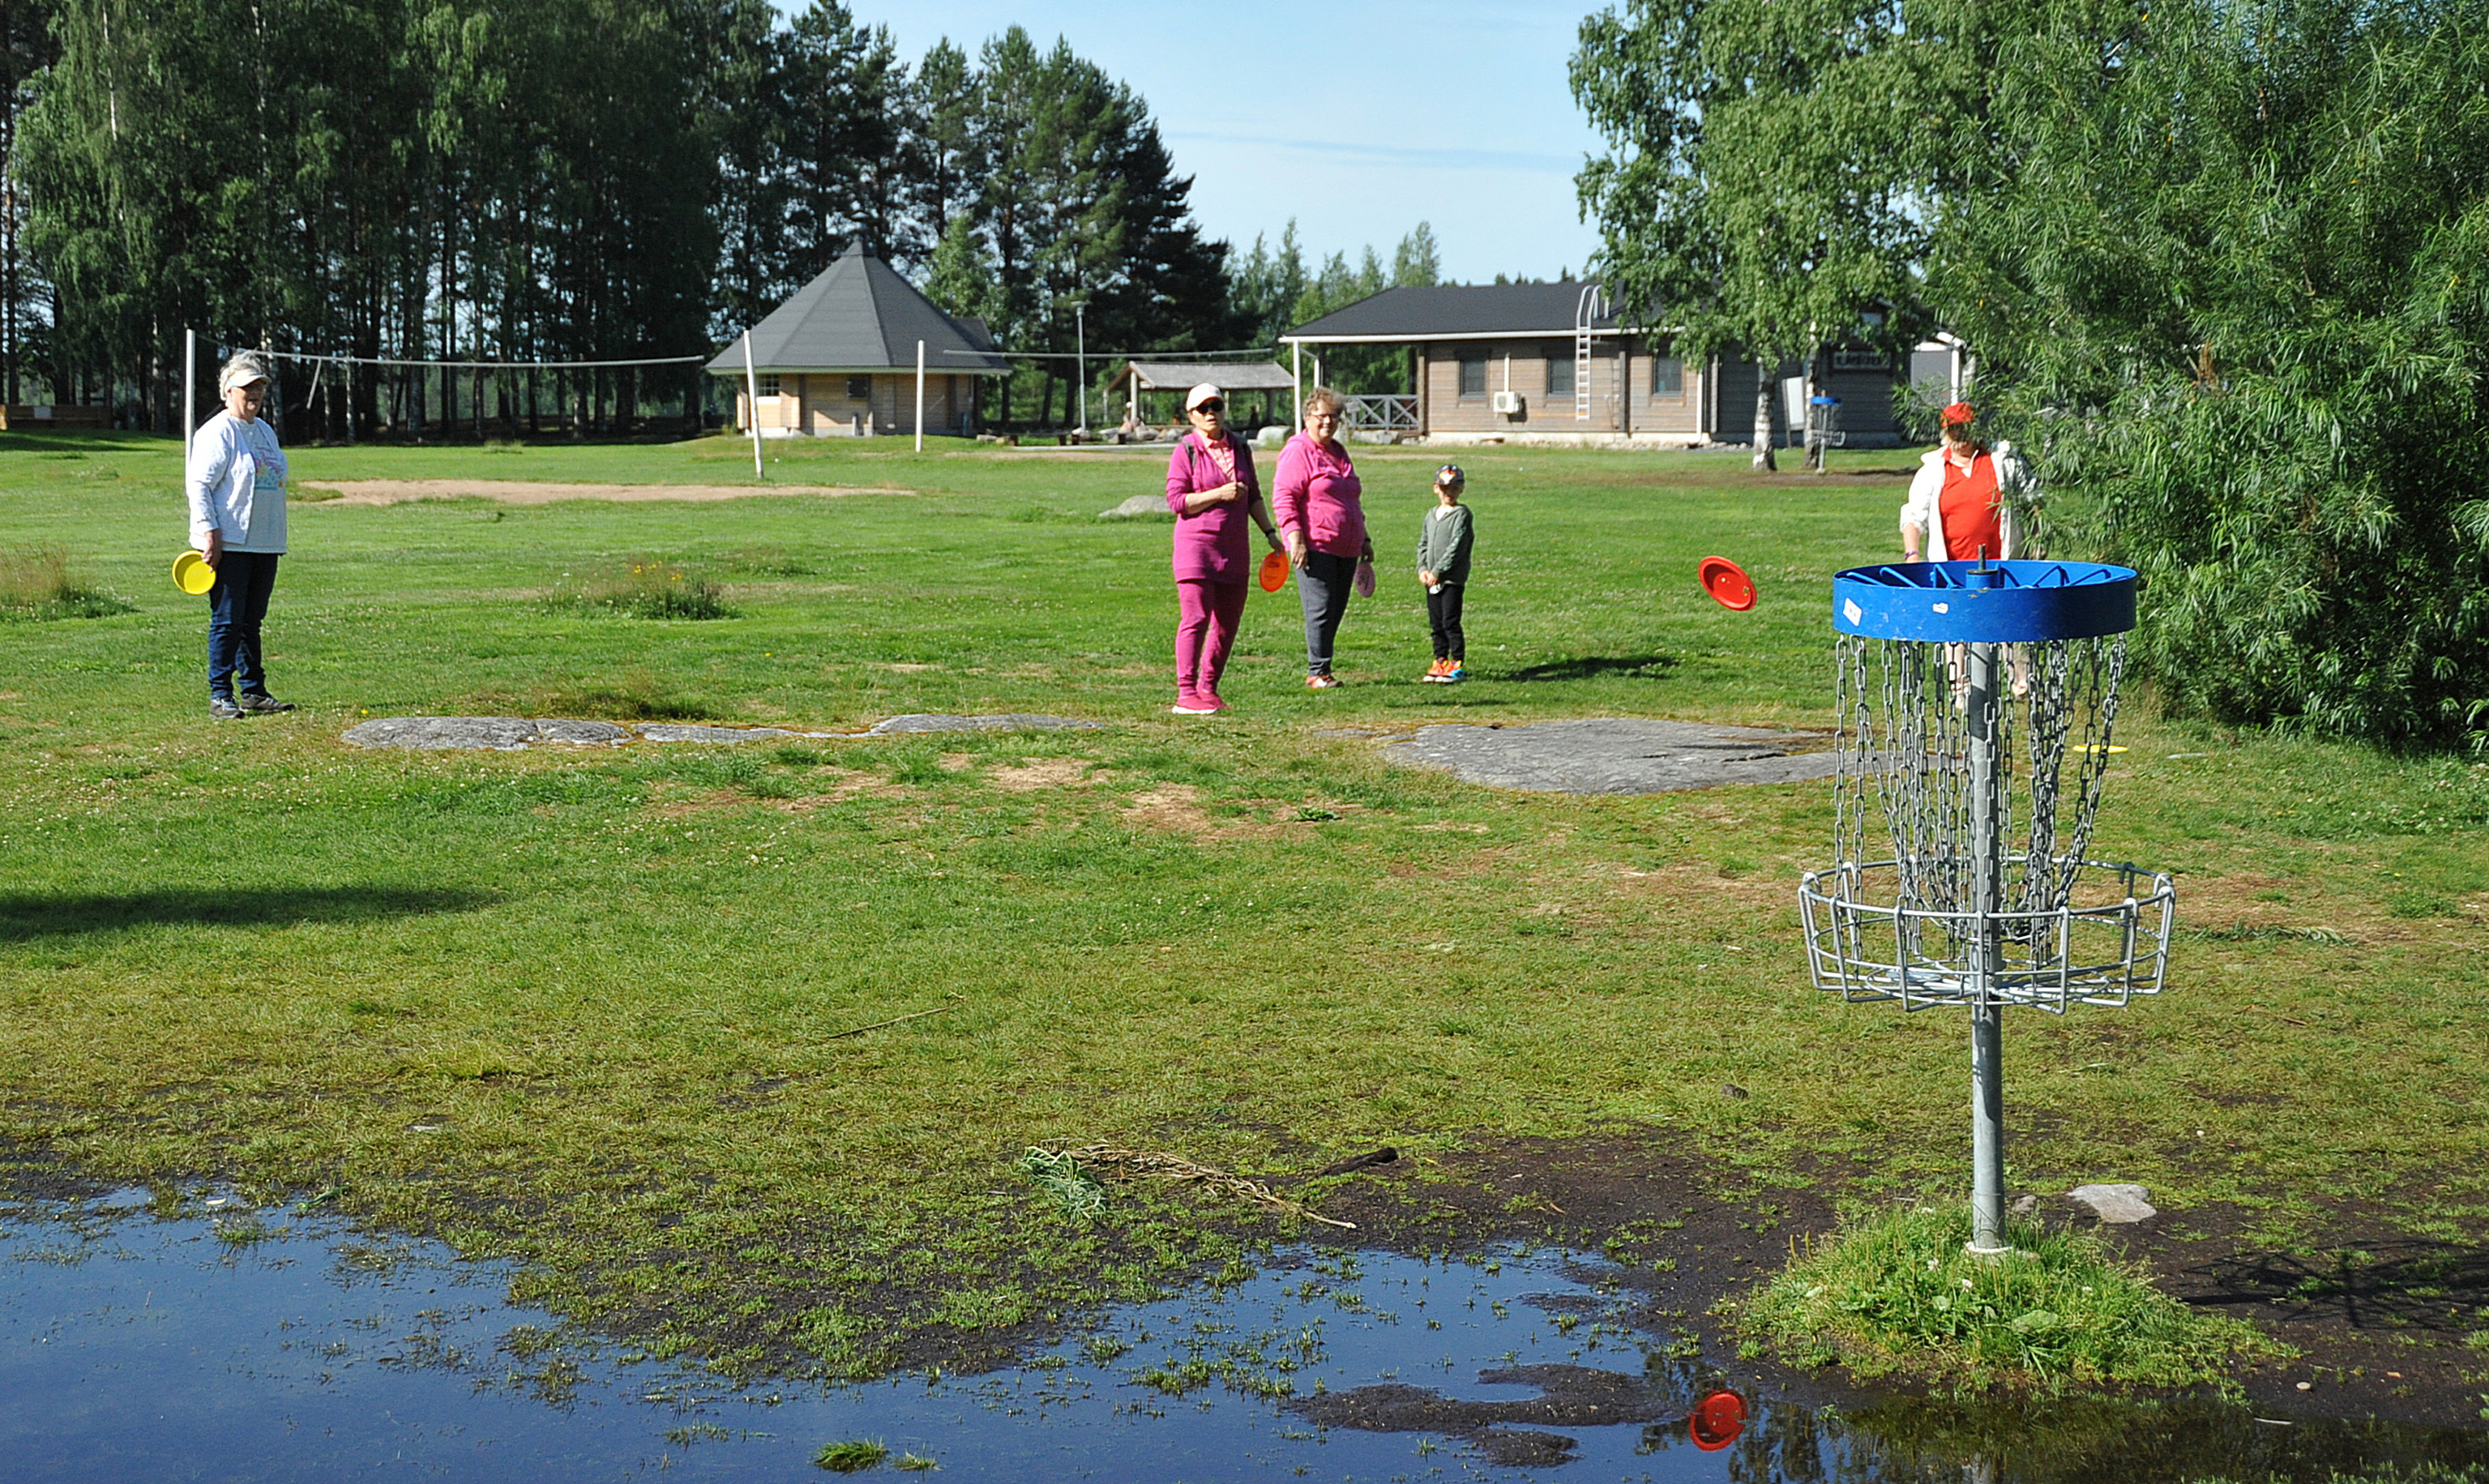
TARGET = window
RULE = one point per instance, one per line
(1559, 374)
(1667, 378)
(1860, 359)
(1472, 374)
(859, 388)
(768, 385)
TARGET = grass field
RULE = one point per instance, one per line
(580, 1007)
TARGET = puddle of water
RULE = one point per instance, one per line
(132, 1347)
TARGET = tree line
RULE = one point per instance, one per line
(574, 180)
(2224, 265)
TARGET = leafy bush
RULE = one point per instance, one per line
(1894, 1291)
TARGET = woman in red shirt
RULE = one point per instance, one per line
(1965, 498)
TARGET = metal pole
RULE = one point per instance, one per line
(1986, 1018)
(752, 405)
(190, 391)
(920, 396)
(1297, 398)
(1080, 358)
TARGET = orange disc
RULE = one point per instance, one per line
(1725, 582)
(1275, 571)
(1717, 1420)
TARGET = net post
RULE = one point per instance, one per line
(189, 388)
(752, 405)
(920, 396)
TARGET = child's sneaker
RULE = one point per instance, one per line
(1433, 675)
(1456, 673)
(1195, 705)
(1322, 682)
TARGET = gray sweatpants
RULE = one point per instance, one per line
(1324, 583)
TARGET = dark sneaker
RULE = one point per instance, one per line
(224, 711)
(265, 706)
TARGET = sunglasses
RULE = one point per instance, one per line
(1214, 404)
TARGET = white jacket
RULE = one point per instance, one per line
(223, 481)
(2016, 492)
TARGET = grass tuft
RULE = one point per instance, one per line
(40, 585)
(650, 588)
(853, 1455)
(1060, 1176)
(1894, 1291)
(915, 1463)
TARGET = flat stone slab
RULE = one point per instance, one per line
(497, 733)
(1614, 754)
(671, 733)
(1015, 721)
(2118, 1205)
(1140, 508)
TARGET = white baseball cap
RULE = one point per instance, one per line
(1202, 394)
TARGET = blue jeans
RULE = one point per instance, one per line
(235, 605)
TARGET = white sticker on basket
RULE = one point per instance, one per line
(1944, 607)
(1850, 611)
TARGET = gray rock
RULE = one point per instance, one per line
(1612, 755)
(496, 733)
(1017, 721)
(676, 733)
(1140, 508)
(2024, 1206)
(1375, 435)
(2115, 1204)
(1272, 436)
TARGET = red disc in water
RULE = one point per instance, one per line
(1717, 1420)
(1727, 583)
(1275, 571)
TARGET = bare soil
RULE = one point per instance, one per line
(528, 492)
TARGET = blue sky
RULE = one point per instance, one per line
(1359, 120)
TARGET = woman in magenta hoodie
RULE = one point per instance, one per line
(1315, 496)
(1212, 489)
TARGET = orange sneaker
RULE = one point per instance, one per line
(1322, 682)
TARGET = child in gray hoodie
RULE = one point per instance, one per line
(1444, 540)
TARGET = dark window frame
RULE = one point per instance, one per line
(1466, 361)
(859, 388)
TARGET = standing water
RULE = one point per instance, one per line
(278, 1344)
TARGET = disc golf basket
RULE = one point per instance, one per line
(1976, 701)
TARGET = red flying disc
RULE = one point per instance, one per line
(1717, 1420)
(1275, 571)
(1727, 583)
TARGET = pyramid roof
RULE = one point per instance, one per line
(859, 315)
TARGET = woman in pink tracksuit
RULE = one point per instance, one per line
(1212, 489)
(1315, 494)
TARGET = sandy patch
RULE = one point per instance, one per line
(1043, 773)
(528, 492)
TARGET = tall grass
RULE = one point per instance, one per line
(41, 583)
(1894, 1291)
(651, 587)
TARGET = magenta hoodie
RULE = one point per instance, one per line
(1211, 544)
(1315, 491)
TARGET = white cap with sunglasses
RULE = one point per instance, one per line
(1204, 394)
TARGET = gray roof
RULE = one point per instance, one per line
(859, 315)
(1455, 312)
(1226, 374)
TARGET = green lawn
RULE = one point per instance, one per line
(579, 1007)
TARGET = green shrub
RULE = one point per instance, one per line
(854, 1455)
(1895, 1291)
(650, 588)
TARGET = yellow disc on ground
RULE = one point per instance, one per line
(192, 574)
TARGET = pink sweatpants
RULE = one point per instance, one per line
(1205, 633)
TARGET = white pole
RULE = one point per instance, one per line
(1297, 397)
(189, 392)
(920, 396)
(1080, 358)
(752, 405)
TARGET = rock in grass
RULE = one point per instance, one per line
(1017, 720)
(1140, 508)
(2119, 1205)
(495, 733)
(670, 732)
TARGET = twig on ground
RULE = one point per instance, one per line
(892, 1020)
(1147, 1164)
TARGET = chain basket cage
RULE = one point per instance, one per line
(1900, 917)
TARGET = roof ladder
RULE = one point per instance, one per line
(1587, 311)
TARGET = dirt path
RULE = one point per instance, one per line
(528, 492)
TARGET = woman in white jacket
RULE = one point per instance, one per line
(1966, 497)
(235, 480)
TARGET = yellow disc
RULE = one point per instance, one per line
(2092, 746)
(192, 574)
